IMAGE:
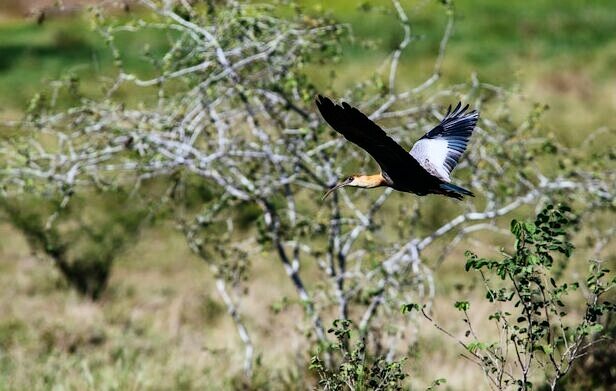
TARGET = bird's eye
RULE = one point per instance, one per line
(350, 178)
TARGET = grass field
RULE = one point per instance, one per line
(160, 325)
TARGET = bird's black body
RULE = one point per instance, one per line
(399, 168)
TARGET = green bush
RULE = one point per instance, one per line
(83, 237)
(540, 334)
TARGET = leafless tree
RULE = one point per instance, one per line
(233, 106)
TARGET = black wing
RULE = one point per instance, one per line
(360, 130)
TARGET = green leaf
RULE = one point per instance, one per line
(476, 345)
(409, 307)
(462, 305)
(533, 260)
(530, 227)
(516, 228)
(436, 383)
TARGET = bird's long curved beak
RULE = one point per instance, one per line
(333, 189)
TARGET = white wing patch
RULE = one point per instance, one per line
(431, 154)
(439, 150)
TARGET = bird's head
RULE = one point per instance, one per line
(348, 181)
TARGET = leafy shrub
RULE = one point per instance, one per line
(596, 370)
(357, 370)
(538, 334)
(83, 237)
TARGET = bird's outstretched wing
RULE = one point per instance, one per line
(360, 130)
(439, 150)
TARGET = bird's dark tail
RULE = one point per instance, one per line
(454, 191)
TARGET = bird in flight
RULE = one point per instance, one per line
(424, 170)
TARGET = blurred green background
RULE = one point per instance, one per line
(159, 325)
(565, 47)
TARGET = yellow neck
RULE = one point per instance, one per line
(368, 181)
